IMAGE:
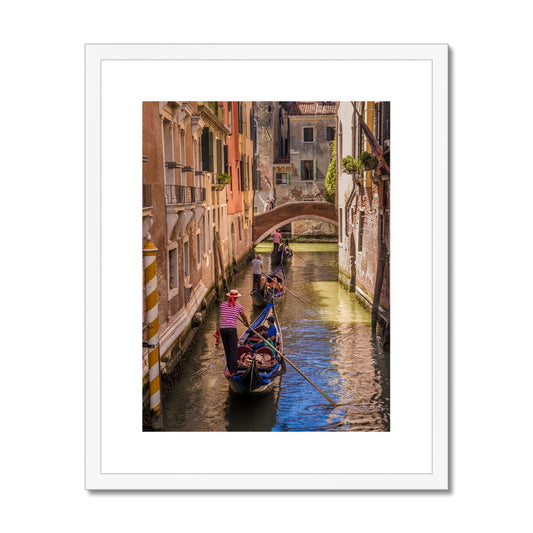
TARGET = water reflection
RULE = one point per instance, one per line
(328, 338)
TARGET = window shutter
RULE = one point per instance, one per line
(211, 163)
(302, 170)
(314, 169)
(205, 149)
(225, 158)
(219, 156)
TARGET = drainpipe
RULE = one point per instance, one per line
(152, 343)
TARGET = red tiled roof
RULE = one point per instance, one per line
(312, 108)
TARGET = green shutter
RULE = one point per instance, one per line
(219, 156)
(314, 169)
(205, 149)
(211, 163)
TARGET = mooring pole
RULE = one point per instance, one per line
(152, 319)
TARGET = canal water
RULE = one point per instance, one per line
(328, 338)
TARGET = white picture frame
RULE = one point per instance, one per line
(414, 77)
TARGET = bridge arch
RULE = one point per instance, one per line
(266, 223)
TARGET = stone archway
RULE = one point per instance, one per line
(266, 223)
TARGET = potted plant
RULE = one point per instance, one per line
(224, 178)
(368, 161)
(351, 165)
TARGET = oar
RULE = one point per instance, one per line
(289, 291)
(293, 366)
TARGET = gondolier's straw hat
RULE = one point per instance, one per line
(233, 293)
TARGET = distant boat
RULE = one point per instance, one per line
(272, 289)
(283, 255)
(259, 366)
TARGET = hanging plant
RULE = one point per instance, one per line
(368, 161)
(351, 164)
(224, 178)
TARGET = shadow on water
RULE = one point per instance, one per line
(239, 411)
(326, 334)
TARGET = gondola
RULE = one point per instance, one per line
(272, 288)
(259, 366)
(283, 256)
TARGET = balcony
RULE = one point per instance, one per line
(182, 194)
(285, 160)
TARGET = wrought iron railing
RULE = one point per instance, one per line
(182, 194)
(282, 160)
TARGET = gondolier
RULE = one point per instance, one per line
(229, 311)
(276, 237)
(260, 364)
(257, 267)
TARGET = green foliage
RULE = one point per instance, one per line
(224, 178)
(351, 164)
(331, 176)
(369, 161)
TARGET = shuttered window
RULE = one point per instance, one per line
(330, 133)
(225, 159)
(207, 150)
(308, 170)
(219, 156)
(282, 178)
(308, 135)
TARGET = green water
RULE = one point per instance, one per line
(326, 334)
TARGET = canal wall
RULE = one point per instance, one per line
(364, 298)
(177, 341)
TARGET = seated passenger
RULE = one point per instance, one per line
(272, 331)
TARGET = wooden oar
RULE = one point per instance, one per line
(293, 366)
(290, 292)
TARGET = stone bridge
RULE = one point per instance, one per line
(266, 223)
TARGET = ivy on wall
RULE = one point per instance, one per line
(331, 176)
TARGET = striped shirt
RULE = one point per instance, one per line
(229, 314)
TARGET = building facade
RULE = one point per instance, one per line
(186, 147)
(363, 203)
(305, 135)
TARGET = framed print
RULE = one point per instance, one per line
(182, 194)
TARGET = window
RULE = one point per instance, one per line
(361, 227)
(282, 178)
(308, 170)
(330, 133)
(226, 171)
(239, 113)
(341, 235)
(309, 135)
(204, 236)
(207, 150)
(198, 251)
(182, 148)
(168, 146)
(186, 270)
(219, 156)
(173, 268)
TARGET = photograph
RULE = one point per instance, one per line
(266, 252)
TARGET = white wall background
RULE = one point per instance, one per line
(42, 269)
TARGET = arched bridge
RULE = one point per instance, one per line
(266, 223)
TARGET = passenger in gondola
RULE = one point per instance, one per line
(229, 312)
(276, 283)
(272, 331)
